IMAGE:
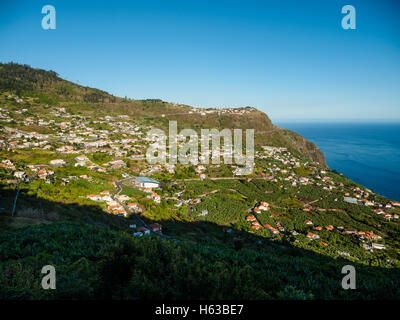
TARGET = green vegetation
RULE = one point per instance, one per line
(93, 263)
(221, 244)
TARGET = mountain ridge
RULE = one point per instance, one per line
(48, 87)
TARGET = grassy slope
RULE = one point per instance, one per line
(93, 262)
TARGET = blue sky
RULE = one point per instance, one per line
(290, 59)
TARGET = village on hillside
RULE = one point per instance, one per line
(100, 161)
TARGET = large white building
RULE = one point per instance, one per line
(145, 182)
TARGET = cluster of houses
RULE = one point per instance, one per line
(117, 209)
(387, 216)
(113, 206)
(379, 210)
(115, 164)
(7, 164)
(44, 174)
(272, 230)
(360, 235)
(254, 223)
(75, 134)
(235, 111)
(285, 172)
(263, 206)
(122, 139)
(363, 236)
(257, 226)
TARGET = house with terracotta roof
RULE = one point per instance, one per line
(312, 236)
(387, 216)
(367, 202)
(264, 206)
(256, 226)
(156, 227)
(257, 210)
(251, 218)
(379, 211)
(274, 231)
(155, 197)
(94, 197)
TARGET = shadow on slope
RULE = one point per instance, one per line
(96, 257)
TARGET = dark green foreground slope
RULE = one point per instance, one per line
(96, 263)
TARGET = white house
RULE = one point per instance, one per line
(19, 174)
(133, 206)
(94, 197)
(57, 162)
(378, 246)
(350, 200)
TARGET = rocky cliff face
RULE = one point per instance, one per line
(304, 146)
(269, 134)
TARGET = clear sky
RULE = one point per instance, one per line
(290, 59)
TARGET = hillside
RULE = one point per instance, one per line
(77, 192)
(111, 265)
(47, 87)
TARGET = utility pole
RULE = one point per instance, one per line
(15, 199)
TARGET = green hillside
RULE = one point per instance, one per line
(47, 88)
(70, 197)
(94, 263)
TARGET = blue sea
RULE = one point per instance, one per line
(367, 153)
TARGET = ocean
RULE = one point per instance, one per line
(367, 153)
